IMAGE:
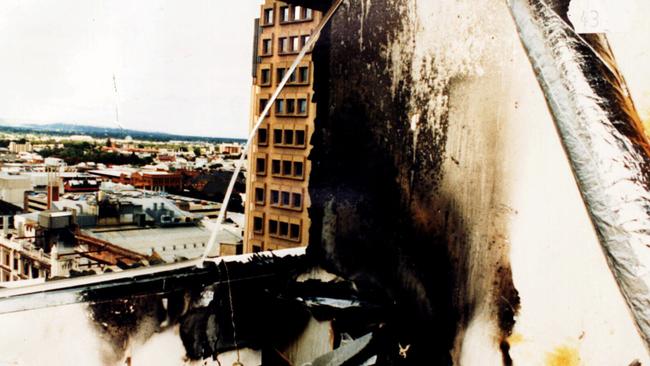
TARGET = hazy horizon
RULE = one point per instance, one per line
(111, 126)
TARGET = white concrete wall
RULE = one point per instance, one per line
(509, 185)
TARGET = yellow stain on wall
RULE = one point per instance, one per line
(515, 339)
(563, 356)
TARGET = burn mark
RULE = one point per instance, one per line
(379, 214)
(507, 310)
(121, 319)
(127, 311)
(361, 188)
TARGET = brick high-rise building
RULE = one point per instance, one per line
(278, 174)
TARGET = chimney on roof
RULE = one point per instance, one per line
(52, 195)
(5, 226)
(52, 188)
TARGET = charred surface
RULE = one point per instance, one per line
(378, 213)
(360, 190)
(234, 291)
(508, 308)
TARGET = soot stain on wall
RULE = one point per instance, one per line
(131, 313)
(378, 214)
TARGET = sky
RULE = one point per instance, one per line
(180, 67)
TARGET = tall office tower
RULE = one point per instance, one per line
(278, 174)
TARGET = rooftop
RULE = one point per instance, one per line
(170, 243)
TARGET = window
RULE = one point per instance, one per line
(284, 14)
(260, 165)
(275, 167)
(302, 106)
(265, 77)
(308, 13)
(304, 40)
(286, 167)
(284, 229)
(263, 105)
(283, 44)
(300, 138)
(277, 136)
(281, 71)
(259, 195)
(299, 76)
(273, 227)
(267, 47)
(268, 16)
(294, 232)
(275, 197)
(297, 13)
(297, 169)
(286, 198)
(283, 197)
(295, 44)
(291, 106)
(257, 248)
(279, 106)
(288, 136)
(303, 74)
(258, 224)
(296, 202)
(262, 136)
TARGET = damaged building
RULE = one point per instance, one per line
(456, 215)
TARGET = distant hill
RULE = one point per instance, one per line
(105, 132)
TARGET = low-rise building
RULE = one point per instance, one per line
(13, 188)
(146, 179)
(16, 147)
(230, 148)
(157, 180)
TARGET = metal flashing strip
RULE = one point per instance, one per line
(66, 291)
(601, 134)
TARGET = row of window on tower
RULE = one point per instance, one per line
(286, 106)
(288, 136)
(280, 227)
(286, 45)
(300, 76)
(279, 197)
(281, 167)
(288, 14)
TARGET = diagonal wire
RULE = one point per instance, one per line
(224, 206)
